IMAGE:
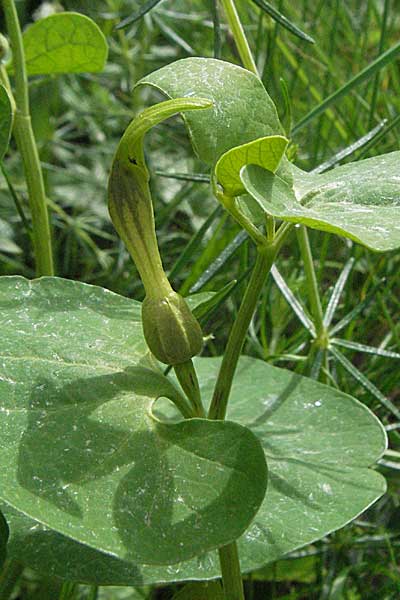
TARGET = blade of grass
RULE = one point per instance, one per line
(17, 202)
(197, 177)
(293, 302)
(193, 244)
(381, 135)
(356, 310)
(378, 64)
(205, 309)
(381, 47)
(220, 261)
(171, 35)
(364, 348)
(138, 14)
(366, 383)
(216, 28)
(302, 75)
(317, 364)
(337, 292)
(349, 150)
(282, 20)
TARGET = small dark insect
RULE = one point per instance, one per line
(132, 160)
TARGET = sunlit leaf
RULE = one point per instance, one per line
(319, 445)
(360, 200)
(81, 449)
(64, 43)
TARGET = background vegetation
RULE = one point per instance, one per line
(78, 121)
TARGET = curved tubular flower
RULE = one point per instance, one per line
(171, 331)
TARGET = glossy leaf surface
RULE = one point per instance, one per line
(6, 120)
(319, 444)
(360, 200)
(64, 43)
(81, 449)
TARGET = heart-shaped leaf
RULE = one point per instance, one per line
(360, 200)
(6, 120)
(242, 109)
(65, 42)
(83, 453)
(319, 444)
(4, 533)
(243, 124)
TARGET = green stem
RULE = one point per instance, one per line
(188, 379)
(68, 590)
(9, 578)
(229, 202)
(26, 143)
(231, 572)
(239, 36)
(312, 285)
(266, 255)
(93, 593)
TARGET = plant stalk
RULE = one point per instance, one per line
(26, 143)
(231, 572)
(266, 255)
(241, 42)
(68, 590)
(187, 377)
(312, 285)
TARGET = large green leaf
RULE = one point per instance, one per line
(81, 450)
(64, 43)
(4, 533)
(360, 200)
(242, 109)
(6, 120)
(319, 444)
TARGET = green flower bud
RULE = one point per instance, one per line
(172, 333)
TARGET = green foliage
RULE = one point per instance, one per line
(231, 90)
(359, 200)
(82, 393)
(82, 120)
(64, 43)
(86, 400)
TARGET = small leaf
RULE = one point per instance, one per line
(6, 120)
(360, 200)
(4, 533)
(82, 451)
(64, 43)
(265, 152)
